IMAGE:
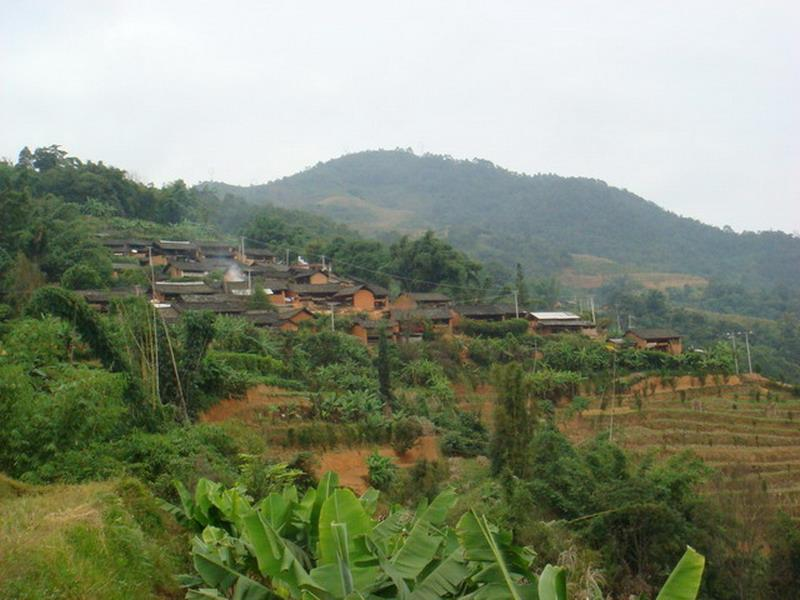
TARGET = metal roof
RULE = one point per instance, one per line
(552, 316)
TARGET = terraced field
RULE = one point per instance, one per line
(749, 434)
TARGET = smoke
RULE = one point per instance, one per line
(235, 273)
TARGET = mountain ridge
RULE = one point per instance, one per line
(502, 217)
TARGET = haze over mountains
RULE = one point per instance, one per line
(546, 222)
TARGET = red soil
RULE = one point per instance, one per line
(351, 464)
(242, 408)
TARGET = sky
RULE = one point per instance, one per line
(692, 105)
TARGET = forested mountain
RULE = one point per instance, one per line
(503, 217)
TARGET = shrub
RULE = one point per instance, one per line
(423, 480)
(382, 471)
(346, 377)
(467, 436)
(38, 342)
(81, 277)
(348, 407)
(252, 363)
(405, 433)
(516, 327)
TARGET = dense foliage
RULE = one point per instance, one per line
(499, 216)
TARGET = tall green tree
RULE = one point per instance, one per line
(522, 288)
(383, 364)
(513, 423)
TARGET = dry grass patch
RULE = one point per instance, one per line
(104, 540)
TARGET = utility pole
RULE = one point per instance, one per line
(747, 345)
(333, 320)
(735, 358)
(241, 249)
(152, 273)
(591, 301)
(630, 321)
(287, 257)
(516, 302)
(613, 397)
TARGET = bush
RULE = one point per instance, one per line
(405, 433)
(251, 363)
(423, 480)
(37, 342)
(349, 407)
(382, 471)
(497, 329)
(81, 277)
(346, 377)
(467, 436)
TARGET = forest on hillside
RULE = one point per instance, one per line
(501, 217)
(208, 457)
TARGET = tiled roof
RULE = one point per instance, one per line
(429, 314)
(655, 334)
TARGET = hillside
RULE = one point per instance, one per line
(746, 430)
(504, 217)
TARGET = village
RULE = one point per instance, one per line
(224, 278)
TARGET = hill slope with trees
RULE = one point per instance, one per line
(504, 217)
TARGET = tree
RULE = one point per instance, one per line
(25, 160)
(784, 559)
(49, 157)
(198, 331)
(81, 277)
(521, 287)
(259, 300)
(383, 364)
(513, 423)
(428, 263)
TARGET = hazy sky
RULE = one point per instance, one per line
(693, 105)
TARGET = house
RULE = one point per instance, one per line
(363, 296)
(412, 300)
(285, 320)
(275, 271)
(125, 247)
(178, 269)
(310, 293)
(163, 250)
(413, 321)
(549, 323)
(118, 268)
(295, 315)
(216, 250)
(312, 277)
(369, 331)
(166, 312)
(256, 256)
(219, 303)
(171, 290)
(663, 340)
(101, 299)
(486, 312)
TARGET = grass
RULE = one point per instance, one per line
(106, 540)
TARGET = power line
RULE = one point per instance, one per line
(477, 287)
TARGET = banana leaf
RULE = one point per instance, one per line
(684, 581)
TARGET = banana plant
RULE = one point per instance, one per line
(328, 545)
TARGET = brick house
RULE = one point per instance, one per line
(663, 340)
